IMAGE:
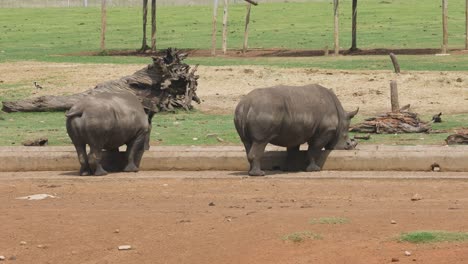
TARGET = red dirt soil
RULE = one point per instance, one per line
(167, 218)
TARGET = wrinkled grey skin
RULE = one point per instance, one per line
(108, 121)
(289, 116)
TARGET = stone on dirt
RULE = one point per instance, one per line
(393, 222)
(407, 253)
(416, 197)
(395, 259)
(125, 247)
(2, 258)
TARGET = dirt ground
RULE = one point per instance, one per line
(220, 88)
(222, 217)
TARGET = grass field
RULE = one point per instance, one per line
(46, 34)
(192, 129)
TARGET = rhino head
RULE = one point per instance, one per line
(344, 142)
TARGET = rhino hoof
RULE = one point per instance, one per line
(84, 173)
(100, 173)
(256, 173)
(131, 168)
(313, 167)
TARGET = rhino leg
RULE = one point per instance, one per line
(134, 153)
(95, 157)
(83, 159)
(294, 161)
(254, 157)
(315, 153)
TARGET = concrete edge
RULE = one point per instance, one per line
(191, 158)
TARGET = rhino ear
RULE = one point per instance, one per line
(353, 113)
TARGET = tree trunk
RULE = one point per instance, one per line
(103, 25)
(336, 26)
(213, 34)
(354, 27)
(165, 84)
(225, 21)
(444, 26)
(144, 44)
(153, 25)
(246, 31)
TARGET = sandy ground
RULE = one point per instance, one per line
(220, 88)
(166, 217)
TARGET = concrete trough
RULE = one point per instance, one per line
(194, 158)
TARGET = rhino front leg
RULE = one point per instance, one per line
(254, 157)
(294, 161)
(315, 154)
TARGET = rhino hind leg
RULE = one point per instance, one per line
(134, 153)
(94, 158)
(254, 157)
(83, 159)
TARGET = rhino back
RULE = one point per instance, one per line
(286, 115)
(113, 118)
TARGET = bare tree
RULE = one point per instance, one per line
(144, 45)
(153, 25)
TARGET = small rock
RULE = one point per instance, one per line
(211, 204)
(42, 246)
(195, 138)
(393, 222)
(23, 243)
(2, 258)
(395, 259)
(117, 231)
(125, 247)
(219, 139)
(407, 253)
(459, 79)
(416, 197)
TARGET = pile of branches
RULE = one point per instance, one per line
(460, 137)
(164, 85)
(402, 121)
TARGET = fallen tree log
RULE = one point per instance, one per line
(460, 138)
(165, 84)
(391, 123)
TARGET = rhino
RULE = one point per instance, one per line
(107, 121)
(289, 116)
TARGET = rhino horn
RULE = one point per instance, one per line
(353, 113)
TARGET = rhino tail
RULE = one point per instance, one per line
(74, 112)
(241, 121)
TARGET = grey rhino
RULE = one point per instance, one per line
(108, 120)
(289, 116)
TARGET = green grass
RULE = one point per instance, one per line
(329, 220)
(419, 237)
(46, 34)
(182, 128)
(298, 237)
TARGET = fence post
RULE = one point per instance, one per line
(213, 35)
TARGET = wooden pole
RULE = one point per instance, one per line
(246, 31)
(153, 25)
(213, 35)
(466, 25)
(336, 28)
(103, 24)
(354, 25)
(144, 45)
(225, 20)
(395, 63)
(444, 26)
(394, 96)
